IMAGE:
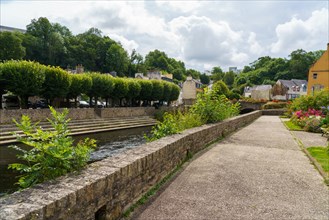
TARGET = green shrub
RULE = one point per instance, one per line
(213, 108)
(208, 108)
(317, 101)
(52, 153)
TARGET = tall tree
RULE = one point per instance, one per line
(117, 59)
(11, 46)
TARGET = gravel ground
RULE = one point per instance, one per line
(257, 173)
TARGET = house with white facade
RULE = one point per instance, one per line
(289, 89)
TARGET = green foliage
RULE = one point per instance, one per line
(175, 90)
(205, 79)
(318, 100)
(321, 155)
(167, 88)
(57, 83)
(80, 83)
(11, 46)
(52, 153)
(23, 78)
(157, 91)
(102, 85)
(292, 126)
(146, 90)
(134, 88)
(220, 88)
(209, 108)
(174, 124)
(213, 108)
(117, 59)
(121, 88)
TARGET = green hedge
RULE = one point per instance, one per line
(26, 78)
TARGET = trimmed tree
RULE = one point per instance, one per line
(56, 85)
(146, 90)
(23, 78)
(120, 90)
(133, 91)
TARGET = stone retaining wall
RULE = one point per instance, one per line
(6, 116)
(125, 112)
(108, 187)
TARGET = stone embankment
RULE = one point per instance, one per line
(7, 116)
(81, 127)
(107, 188)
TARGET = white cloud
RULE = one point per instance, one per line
(309, 34)
(201, 33)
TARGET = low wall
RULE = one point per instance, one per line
(125, 112)
(273, 111)
(108, 187)
(6, 116)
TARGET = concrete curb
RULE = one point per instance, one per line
(313, 161)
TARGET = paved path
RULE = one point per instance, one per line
(257, 173)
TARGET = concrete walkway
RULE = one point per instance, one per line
(257, 173)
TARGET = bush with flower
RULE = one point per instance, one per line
(310, 120)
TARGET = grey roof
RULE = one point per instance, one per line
(257, 87)
(11, 29)
(293, 82)
(263, 87)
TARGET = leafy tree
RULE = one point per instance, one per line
(175, 90)
(134, 88)
(229, 79)
(121, 88)
(53, 153)
(146, 90)
(220, 88)
(157, 91)
(194, 73)
(102, 86)
(108, 87)
(11, 46)
(136, 63)
(205, 79)
(41, 29)
(56, 85)
(23, 78)
(157, 60)
(178, 74)
(217, 74)
(117, 59)
(167, 88)
(80, 83)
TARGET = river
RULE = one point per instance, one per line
(108, 144)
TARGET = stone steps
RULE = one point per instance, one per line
(82, 127)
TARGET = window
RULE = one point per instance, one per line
(315, 75)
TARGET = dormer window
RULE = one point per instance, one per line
(315, 75)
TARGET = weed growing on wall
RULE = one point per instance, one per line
(52, 152)
(209, 108)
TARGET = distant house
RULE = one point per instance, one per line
(189, 90)
(167, 77)
(258, 92)
(318, 75)
(155, 74)
(289, 89)
(11, 29)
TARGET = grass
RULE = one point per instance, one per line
(291, 126)
(321, 156)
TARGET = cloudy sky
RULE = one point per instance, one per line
(203, 34)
